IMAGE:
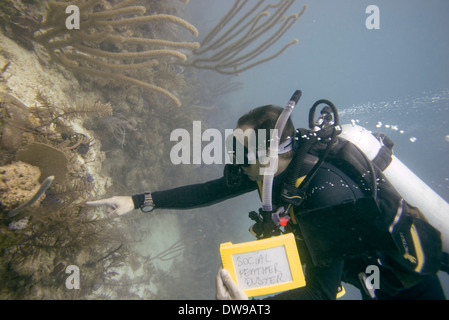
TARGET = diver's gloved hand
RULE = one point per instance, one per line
(227, 289)
(116, 206)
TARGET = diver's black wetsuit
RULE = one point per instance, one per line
(330, 186)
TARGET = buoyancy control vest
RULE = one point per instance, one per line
(418, 247)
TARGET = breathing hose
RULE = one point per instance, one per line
(268, 173)
(325, 128)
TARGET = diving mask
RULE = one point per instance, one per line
(241, 155)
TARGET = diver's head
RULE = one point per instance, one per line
(252, 135)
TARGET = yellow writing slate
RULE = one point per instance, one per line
(264, 266)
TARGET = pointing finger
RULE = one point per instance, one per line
(97, 203)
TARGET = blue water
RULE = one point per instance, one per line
(393, 80)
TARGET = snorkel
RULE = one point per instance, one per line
(268, 172)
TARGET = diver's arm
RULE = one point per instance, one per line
(196, 195)
(187, 197)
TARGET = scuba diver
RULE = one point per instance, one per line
(344, 213)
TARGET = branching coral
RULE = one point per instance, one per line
(94, 49)
(116, 127)
(243, 34)
(49, 114)
(58, 237)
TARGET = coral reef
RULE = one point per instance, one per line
(102, 48)
(42, 116)
(57, 230)
(236, 42)
(54, 237)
